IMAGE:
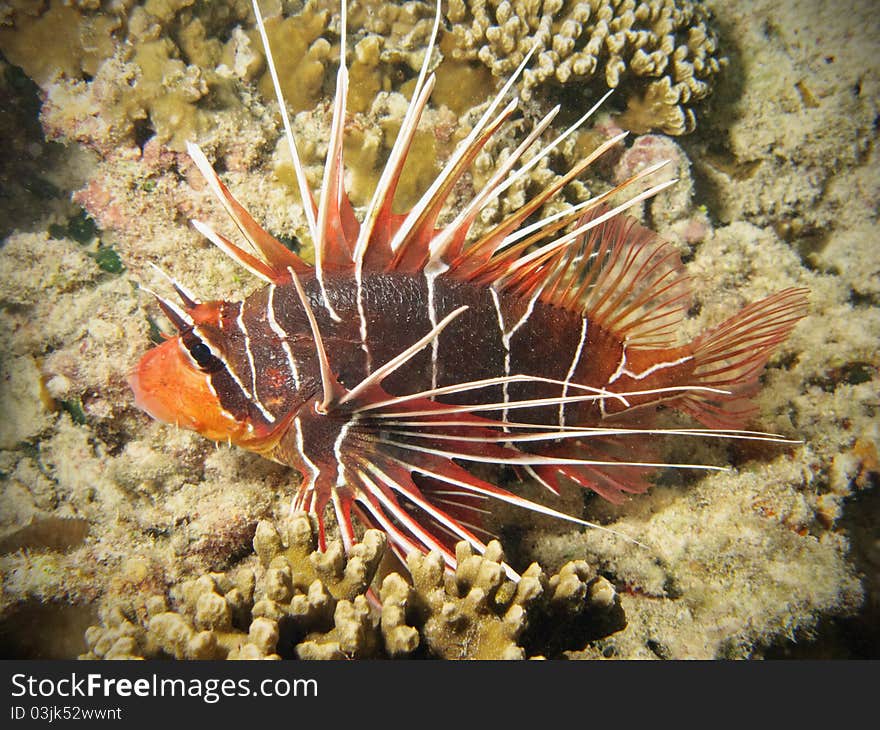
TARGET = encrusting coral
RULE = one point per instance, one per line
(313, 605)
(663, 51)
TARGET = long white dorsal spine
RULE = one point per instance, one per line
(381, 200)
(421, 92)
(229, 248)
(572, 236)
(178, 317)
(204, 166)
(460, 151)
(304, 190)
(332, 184)
(189, 299)
(493, 187)
(501, 181)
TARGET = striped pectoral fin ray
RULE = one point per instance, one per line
(422, 501)
(450, 499)
(446, 471)
(358, 476)
(612, 480)
(424, 512)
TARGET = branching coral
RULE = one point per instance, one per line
(390, 46)
(114, 77)
(481, 614)
(314, 605)
(46, 39)
(169, 67)
(663, 51)
(301, 65)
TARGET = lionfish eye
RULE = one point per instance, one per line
(201, 353)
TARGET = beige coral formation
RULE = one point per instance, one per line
(664, 51)
(161, 64)
(70, 42)
(315, 605)
(116, 74)
(480, 615)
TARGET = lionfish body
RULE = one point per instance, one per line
(408, 353)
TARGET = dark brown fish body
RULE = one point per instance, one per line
(500, 334)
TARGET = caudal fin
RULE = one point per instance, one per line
(732, 356)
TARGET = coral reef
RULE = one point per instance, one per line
(312, 605)
(100, 507)
(663, 52)
(178, 76)
(66, 39)
(114, 77)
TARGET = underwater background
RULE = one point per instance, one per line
(166, 545)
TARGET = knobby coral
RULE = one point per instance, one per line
(169, 67)
(299, 602)
(663, 52)
(113, 78)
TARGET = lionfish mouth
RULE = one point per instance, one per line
(510, 349)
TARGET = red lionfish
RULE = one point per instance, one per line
(407, 351)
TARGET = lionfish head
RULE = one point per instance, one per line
(178, 382)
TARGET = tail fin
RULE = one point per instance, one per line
(732, 355)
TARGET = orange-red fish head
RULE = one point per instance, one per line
(171, 388)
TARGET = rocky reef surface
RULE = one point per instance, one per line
(169, 546)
